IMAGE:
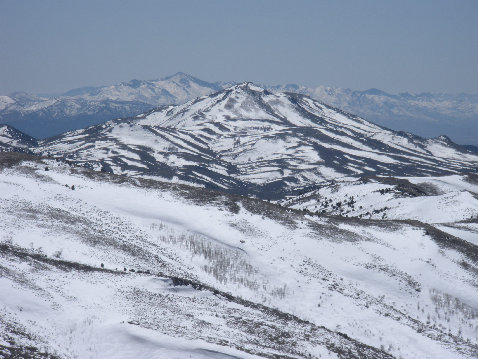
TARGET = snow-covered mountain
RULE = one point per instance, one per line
(175, 89)
(247, 140)
(95, 265)
(47, 116)
(425, 114)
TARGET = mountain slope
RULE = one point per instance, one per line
(217, 275)
(13, 140)
(444, 199)
(248, 140)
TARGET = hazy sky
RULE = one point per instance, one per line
(427, 45)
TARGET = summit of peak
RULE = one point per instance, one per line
(247, 86)
(443, 138)
(181, 76)
(186, 80)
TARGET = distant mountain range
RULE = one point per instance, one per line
(248, 140)
(44, 117)
(428, 115)
(424, 114)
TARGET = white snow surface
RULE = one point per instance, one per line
(5, 101)
(445, 199)
(10, 137)
(394, 286)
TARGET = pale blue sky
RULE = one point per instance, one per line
(427, 45)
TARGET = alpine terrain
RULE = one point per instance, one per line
(240, 224)
(425, 114)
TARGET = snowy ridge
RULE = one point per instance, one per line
(435, 200)
(248, 140)
(174, 89)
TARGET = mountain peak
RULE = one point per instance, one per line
(247, 86)
(443, 138)
(188, 81)
(181, 76)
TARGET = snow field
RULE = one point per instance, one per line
(390, 286)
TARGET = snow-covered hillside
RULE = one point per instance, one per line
(14, 140)
(445, 199)
(247, 140)
(218, 275)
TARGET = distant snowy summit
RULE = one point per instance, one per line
(44, 117)
(425, 114)
(246, 139)
(175, 89)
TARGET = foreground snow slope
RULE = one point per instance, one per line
(218, 275)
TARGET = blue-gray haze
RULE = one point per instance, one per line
(52, 46)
